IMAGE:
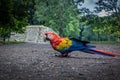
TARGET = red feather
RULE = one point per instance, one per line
(106, 53)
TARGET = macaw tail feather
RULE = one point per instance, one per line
(96, 51)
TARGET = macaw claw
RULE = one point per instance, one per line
(62, 55)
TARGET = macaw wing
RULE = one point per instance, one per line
(77, 40)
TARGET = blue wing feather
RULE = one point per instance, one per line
(76, 46)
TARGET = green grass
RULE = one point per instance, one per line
(105, 42)
(11, 42)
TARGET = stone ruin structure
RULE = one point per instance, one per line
(33, 33)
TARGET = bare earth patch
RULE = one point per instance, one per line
(38, 62)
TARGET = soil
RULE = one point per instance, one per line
(29, 61)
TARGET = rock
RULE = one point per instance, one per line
(17, 37)
(33, 33)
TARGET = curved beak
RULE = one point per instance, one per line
(45, 38)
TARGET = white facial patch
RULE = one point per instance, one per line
(49, 36)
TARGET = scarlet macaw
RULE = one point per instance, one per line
(67, 45)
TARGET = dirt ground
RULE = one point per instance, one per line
(28, 61)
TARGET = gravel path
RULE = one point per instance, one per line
(37, 62)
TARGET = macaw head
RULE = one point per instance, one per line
(51, 36)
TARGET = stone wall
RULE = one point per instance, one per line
(17, 37)
(33, 33)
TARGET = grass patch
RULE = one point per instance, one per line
(105, 42)
(11, 42)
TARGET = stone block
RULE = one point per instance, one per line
(33, 33)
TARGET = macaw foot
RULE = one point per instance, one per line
(64, 54)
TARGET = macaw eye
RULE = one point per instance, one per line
(49, 36)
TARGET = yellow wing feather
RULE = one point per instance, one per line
(65, 43)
